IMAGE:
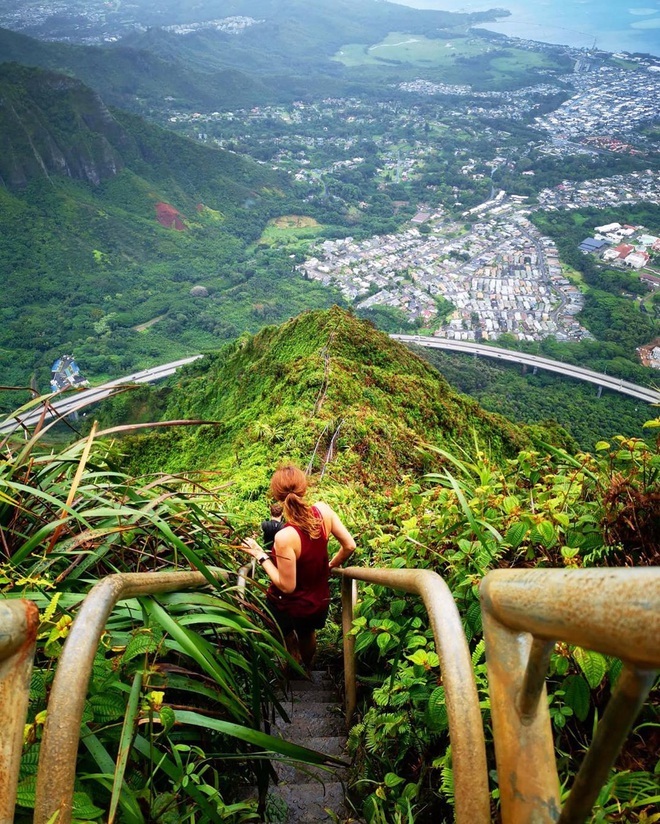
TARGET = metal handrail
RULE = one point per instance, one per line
(19, 621)
(466, 732)
(59, 745)
(612, 611)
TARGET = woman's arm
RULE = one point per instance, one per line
(284, 574)
(340, 532)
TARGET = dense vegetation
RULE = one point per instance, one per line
(368, 403)
(544, 397)
(422, 477)
(85, 259)
(136, 79)
(286, 57)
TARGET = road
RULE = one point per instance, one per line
(83, 398)
(641, 393)
(75, 402)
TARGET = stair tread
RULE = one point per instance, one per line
(314, 695)
(307, 803)
(310, 707)
(304, 726)
(317, 679)
(308, 774)
(310, 792)
(326, 744)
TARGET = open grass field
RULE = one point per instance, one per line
(288, 230)
(458, 60)
(413, 49)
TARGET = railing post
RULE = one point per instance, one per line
(631, 691)
(614, 611)
(466, 732)
(18, 633)
(59, 745)
(524, 747)
(348, 599)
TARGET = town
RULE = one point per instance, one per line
(500, 275)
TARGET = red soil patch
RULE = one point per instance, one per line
(168, 217)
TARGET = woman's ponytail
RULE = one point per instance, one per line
(289, 485)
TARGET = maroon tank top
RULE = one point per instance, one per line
(312, 592)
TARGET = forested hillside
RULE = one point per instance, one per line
(521, 395)
(323, 387)
(137, 79)
(285, 54)
(110, 223)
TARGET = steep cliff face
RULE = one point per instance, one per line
(51, 124)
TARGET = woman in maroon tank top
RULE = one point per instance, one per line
(299, 565)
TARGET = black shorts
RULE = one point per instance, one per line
(287, 623)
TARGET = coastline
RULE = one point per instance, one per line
(615, 26)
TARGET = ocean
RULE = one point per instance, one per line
(613, 25)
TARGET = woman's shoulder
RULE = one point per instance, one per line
(322, 507)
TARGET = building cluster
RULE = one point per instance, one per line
(229, 25)
(514, 104)
(500, 276)
(603, 192)
(65, 374)
(609, 104)
(625, 245)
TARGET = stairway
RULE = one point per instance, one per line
(305, 794)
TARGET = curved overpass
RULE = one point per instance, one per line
(75, 402)
(69, 402)
(641, 393)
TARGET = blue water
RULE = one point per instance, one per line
(614, 25)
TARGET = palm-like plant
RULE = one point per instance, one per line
(179, 682)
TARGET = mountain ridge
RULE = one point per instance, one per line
(133, 78)
(325, 389)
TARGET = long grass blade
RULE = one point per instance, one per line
(125, 744)
(194, 646)
(130, 807)
(170, 769)
(266, 742)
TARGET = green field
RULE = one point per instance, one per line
(460, 60)
(413, 49)
(290, 230)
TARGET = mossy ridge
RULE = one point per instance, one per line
(322, 383)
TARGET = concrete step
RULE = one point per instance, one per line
(307, 773)
(309, 803)
(318, 679)
(307, 793)
(316, 694)
(328, 744)
(311, 720)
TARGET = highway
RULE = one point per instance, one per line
(74, 402)
(641, 393)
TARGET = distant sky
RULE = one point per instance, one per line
(616, 25)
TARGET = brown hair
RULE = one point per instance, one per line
(289, 485)
(276, 510)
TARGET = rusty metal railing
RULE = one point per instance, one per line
(612, 611)
(465, 727)
(59, 745)
(18, 634)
